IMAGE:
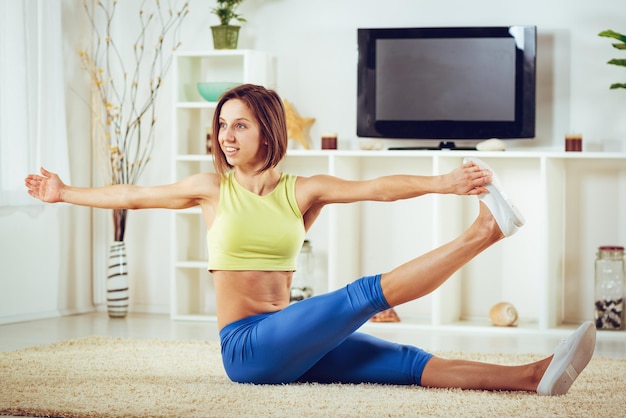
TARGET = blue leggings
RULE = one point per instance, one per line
(314, 340)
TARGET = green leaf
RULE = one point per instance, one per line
(226, 11)
(618, 86)
(612, 34)
(619, 46)
(618, 61)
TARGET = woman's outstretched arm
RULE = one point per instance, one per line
(189, 192)
(468, 179)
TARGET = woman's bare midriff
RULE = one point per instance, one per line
(240, 294)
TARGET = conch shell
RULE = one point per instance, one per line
(503, 314)
(389, 315)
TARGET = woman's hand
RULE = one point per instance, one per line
(46, 187)
(468, 179)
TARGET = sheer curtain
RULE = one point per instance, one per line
(32, 101)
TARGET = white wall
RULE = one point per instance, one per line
(314, 43)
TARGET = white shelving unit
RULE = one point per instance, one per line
(573, 203)
(191, 288)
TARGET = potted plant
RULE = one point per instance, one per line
(621, 46)
(225, 35)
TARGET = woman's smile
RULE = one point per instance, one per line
(229, 150)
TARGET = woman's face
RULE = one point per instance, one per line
(239, 135)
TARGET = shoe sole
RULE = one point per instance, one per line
(496, 190)
(518, 218)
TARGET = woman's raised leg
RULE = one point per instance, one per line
(426, 273)
(498, 217)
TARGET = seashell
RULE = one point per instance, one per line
(503, 314)
(371, 145)
(492, 144)
(389, 315)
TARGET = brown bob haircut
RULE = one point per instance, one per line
(269, 111)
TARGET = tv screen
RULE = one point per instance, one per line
(456, 83)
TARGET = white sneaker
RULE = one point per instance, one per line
(570, 358)
(507, 215)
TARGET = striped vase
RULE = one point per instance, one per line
(117, 281)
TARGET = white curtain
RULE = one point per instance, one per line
(32, 101)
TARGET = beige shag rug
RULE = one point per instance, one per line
(112, 377)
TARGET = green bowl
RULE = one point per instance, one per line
(211, 91)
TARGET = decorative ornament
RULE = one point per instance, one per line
(297, 127)
(389, 315)
(503, 314)
(493, 144)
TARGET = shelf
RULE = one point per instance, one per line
(546, 269)
(199, 264)
(196, 105)
(239, 66)
(194, 317)
(487, 329)
(213, 53)
(192, 293)
(522, 153)
(195, 157)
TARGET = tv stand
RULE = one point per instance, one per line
(443, 146)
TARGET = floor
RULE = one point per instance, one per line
(151, 326)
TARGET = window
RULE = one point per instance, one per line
(32, 102)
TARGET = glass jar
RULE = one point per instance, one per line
(609, 287)
(302, 282)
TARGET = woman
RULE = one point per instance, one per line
(257, 218)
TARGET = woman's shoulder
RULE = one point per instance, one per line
(205, 181)
(316, 184)
(316, 179)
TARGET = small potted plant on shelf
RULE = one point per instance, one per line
(621, 46)
(225, 35)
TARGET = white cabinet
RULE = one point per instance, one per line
(191, 287)
(572, 202)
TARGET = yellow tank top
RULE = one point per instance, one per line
(252, 232)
